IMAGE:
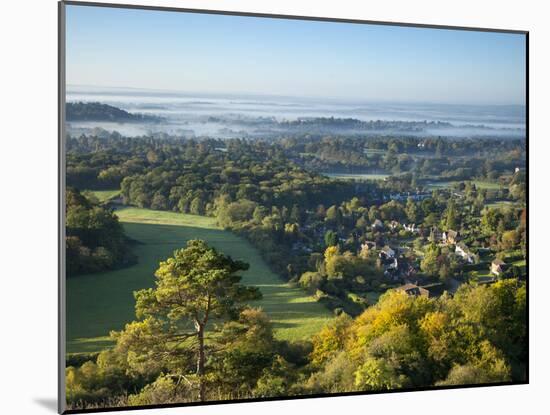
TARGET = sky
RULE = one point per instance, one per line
(201, 53)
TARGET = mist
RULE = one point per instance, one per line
(233, 116)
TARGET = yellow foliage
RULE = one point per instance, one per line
(330, 339)
(331, 252)
(393, 309)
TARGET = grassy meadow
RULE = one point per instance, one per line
(101, 302)
(104, 195)
(480, 184)
(501, 204)
(358, 176)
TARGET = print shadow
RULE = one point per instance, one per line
(49, 403)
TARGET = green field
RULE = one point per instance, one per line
(501, 204)
(359, 176)
(104, 195)
(487, 185)
(368, 151)
(102, 302)
(437, 184)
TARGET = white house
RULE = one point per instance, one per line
(394, 225)
(411, 227)
(462, 251)
(387, 252)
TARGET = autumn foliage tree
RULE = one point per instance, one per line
(478, 336)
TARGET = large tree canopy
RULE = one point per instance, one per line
(95, 240)
(196, 290)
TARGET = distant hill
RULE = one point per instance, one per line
(95, 111)
(355, 124)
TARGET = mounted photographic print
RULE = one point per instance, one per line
(258, 207)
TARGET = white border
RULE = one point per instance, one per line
(29, 204)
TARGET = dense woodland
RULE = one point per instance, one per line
(95, 111)
(95, 240)
(350, 243)
(459, 159)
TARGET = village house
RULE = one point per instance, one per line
(411, 227)
(394, 225)
(415, 290)
(402, 197)
(462, 251)
(450, 237)
(435, 234)
(498, 266)
(393, 265)
(387, 253)
(391, 271)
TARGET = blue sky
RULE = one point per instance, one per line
(227, 54)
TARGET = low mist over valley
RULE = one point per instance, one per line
(161, 113)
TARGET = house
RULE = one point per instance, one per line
(394, 225)
(451, 237)
(403, 196)
(498, 266)
(413, 289)
(391, 269)
(411, 227)
(377, 225)
(393, 265)
(387, 253)
(435, 234)
(462, 251)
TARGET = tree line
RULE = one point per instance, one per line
(95, 111)
(94, 238)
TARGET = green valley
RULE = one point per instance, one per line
(98, 303)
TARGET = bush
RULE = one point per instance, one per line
(79, 359)
(311, 281)
(161, 391)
